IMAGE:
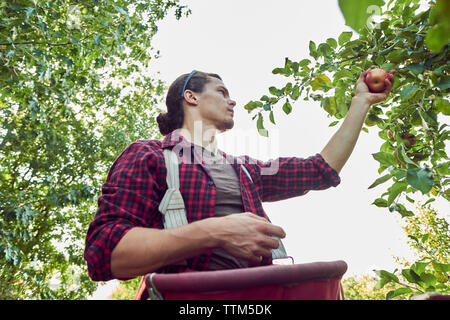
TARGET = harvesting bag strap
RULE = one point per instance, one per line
(172, 205)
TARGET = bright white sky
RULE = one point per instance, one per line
(243, 41)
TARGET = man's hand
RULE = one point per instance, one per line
(144, 250)
(363, 93)
(338, 149)
(246, 236)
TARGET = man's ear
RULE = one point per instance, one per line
(190, 97)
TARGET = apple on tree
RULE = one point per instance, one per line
(409, 139)
(390, 134)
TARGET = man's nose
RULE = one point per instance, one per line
(232, 102)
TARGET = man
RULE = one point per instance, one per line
(228, 227)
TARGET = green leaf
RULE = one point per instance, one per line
(443, 83)
(408, 91)
(428, 278)
(98, 38)
(321, 82)
(329, 105)
(441, 266)
(333, 123)
(332, 43)
(120, 10)
(278, 71)
(411, 276)
(436, 38)
(384, 158)
(253, 105)
(383, 274)
(421, 179)
(275, 91)
(313, 50)
(380, 181)
(357, 13)
(295, 94)
(381, 283)
(75, 41)
(397, 292)
(404, 158)
(271, 117)
(396, 56)
(324, 49)
(381, 203)
(415, 68)
(429, 117)
(287, 108)
(419, 267)
(343, 74)
(395, 190)
(119, 31)
(443, 106)
(304, 62)
(388, 66)
(260, 126)
(399, 173)
(344, 37)
(401, 209)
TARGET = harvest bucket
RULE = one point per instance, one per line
(307, 281)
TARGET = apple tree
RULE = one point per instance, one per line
(415, 41)
(73, 93)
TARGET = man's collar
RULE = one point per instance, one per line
(176, 139)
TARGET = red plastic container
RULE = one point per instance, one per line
(307, 281)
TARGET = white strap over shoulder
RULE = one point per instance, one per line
(172, 204)
(171, 160)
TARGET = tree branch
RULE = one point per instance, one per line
(411, 287)
(36, 43)
(351, 58)
(55, 44)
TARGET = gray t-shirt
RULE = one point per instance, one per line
(228, 201)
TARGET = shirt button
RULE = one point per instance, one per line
(210, 182)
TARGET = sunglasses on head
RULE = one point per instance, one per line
(186, 82)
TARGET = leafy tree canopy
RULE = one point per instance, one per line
(419, 99)
(75, 89)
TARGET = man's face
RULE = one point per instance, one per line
(215, 105)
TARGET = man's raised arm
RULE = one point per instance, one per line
(339, 148)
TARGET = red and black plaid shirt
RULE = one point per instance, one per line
(136, 183)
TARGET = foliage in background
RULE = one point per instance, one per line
(361, 287)
(429, 236)
(75, 90)
(393, 35)
(127, 289)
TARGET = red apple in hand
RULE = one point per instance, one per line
(375, 80)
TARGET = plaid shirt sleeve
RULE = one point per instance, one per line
(288, 177)
(129, 199)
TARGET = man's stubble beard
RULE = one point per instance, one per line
(226, 125)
